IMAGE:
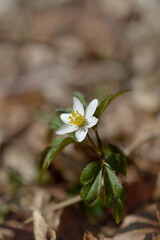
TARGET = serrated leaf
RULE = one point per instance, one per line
(114, 193)
(56, 123)
(117, 162)
(80, 96)
(90, 171)
(90, 191)
(106, 101)
(118, 210)
(56, 147)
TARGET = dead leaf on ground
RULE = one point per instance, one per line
(41, 229)
(152, 236)
(88, 236)
(73, 224)
(138, 225)
(139, 186)
(142, 225)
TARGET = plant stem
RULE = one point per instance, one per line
(98, 139)
(99, 143)
(92, 148)
(90, 139)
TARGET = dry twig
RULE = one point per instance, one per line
(58, 206)
(139, 142)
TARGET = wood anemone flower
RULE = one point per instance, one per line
(79, 120)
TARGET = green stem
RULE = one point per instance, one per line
(98, 139)
(99, 143)
(93, 147)
(90, 139)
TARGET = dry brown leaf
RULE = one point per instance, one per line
(139, 186)
(137, 226)
(142, 225)
(73, 224)
(41, 228)
(152, 236)
(88, 236)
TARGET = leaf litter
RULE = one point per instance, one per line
(111, 47)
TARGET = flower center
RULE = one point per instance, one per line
(76, 119)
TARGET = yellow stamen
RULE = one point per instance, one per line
(76, 119)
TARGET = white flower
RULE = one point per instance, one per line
(79, 120)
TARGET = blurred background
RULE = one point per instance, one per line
(50, 49)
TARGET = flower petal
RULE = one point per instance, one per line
(90, 110)
(66, 129)
(77, 106)
(92, 121)
(81, 134)
(65, 117)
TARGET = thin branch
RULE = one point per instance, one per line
(139, 142)
(58, 206)
(64, 204)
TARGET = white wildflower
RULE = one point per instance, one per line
(79, 120)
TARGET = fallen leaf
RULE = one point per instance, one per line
(88, 236)
(139, 187)
(73, 224)
(41, 229)
(152, 236)
(136, 226)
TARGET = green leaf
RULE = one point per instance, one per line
(56, 147)
(106, 101)
(118, 210)
(97, 209)
(90, 191)
(56, 123)
(90, 171)
(111, 149)
(114, 193)
(80, 96)
(117, 162)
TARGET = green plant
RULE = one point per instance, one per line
(111, 160)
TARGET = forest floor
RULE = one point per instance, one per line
(48, 51)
